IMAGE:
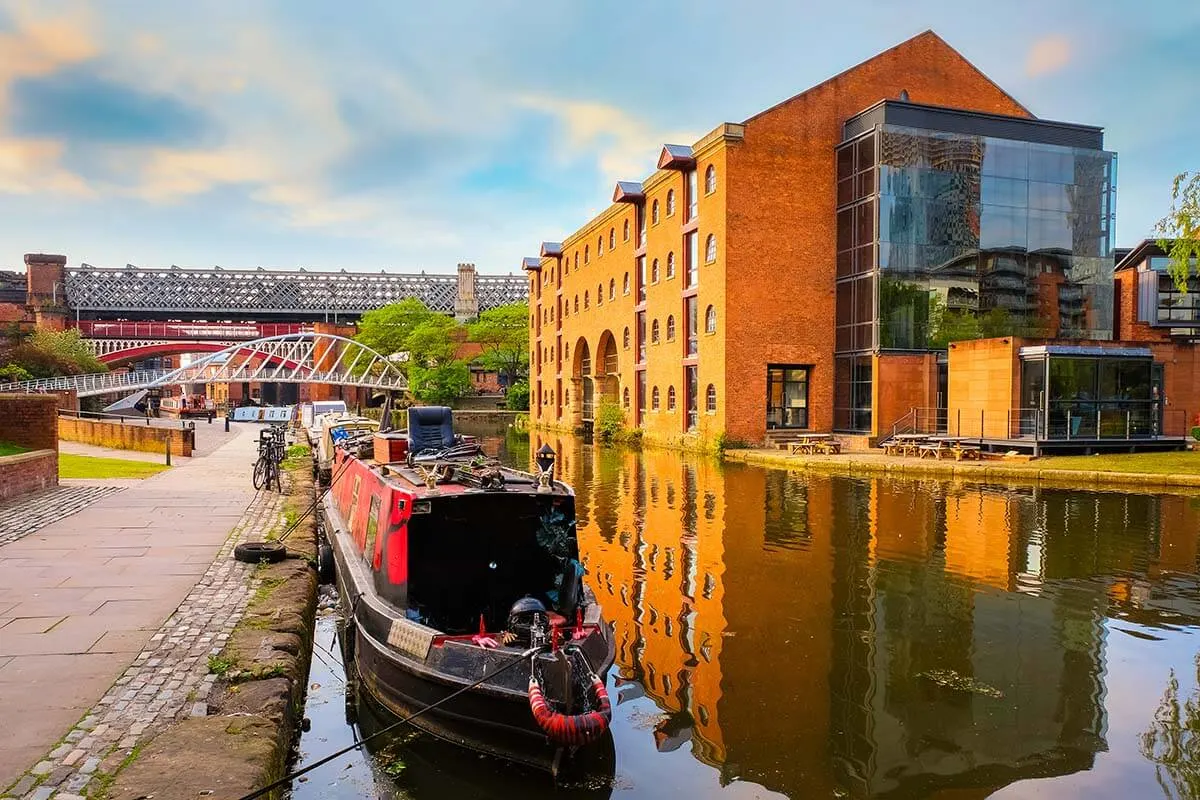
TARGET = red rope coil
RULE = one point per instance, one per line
(574, 730)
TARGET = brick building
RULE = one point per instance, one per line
(806, 269)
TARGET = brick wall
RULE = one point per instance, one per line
(782, 236)
(30, 420)
(131, 435)
(27, 472)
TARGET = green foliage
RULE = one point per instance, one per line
(387, 329)
(433, 343)
(948, 325)
(1172, 743)
(609, 425)
(68, 346)
(13, 373)
(503, 332)
(219, 665)
(1196, 433)
(517, 398)
(47, 354)
(440, 385)
(1179, 230)
(725, 442)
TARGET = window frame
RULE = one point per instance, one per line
(710, 179)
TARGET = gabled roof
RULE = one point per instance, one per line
(676, 156)
(551, 249)
(531, 264)
(1134, 257)
(628, 192)
(924, 35)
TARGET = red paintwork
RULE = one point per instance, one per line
(174, 348)
(124, 329)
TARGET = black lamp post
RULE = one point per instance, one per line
(545, 458)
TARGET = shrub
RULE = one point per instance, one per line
(13, 373)
(609, 425)
(517, 398)
(1196, 433)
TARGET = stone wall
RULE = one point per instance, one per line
(29, 420)
(131, 435)
(27, 472)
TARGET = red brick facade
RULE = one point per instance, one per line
(29, 420)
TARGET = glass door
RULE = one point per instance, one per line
(787, 396)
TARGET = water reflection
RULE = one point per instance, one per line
(824, 635)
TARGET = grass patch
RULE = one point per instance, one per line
(1181, 463)
(7, 449)
(103, 781)
(73, 466)
(219, 665)
(298, 455)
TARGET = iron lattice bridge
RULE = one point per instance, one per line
(227, 291)
(290, 358)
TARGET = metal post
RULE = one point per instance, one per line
(1097, 421)
(1068, 423)
(1127, 415)
(981, 426)
(227, 422)
(958, 423)
(168, 447)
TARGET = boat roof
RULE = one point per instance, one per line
(460, 476)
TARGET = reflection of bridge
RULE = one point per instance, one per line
(290, 358)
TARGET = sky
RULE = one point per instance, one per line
(409, 136)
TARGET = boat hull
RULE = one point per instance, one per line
(492, 718)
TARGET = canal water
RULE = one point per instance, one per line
(791, 635)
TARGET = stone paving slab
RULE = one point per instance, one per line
(64, 569)
(31, 513)
(169, 677)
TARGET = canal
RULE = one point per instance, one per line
(790, 635)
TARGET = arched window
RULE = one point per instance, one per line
(625, 397)
(612, 288)
(654, 271)
(612, 238)
(600, 294)
(625, 231)
(710, 179)
(625, 341)
(566, 397)
(654, 399)
(671, 328)
(654, 213)
(626, 289)
(710, 249)
(710, 320)
(710, 401)
(576, 259)
(670, 265)
(654, 332)
(670, 398)
(670, 202)
(576, 304)
(586, 256)
(585, 301)
(599, 246)
(566, 311)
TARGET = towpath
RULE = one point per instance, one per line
(81, 595)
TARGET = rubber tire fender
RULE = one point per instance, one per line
(257, 552)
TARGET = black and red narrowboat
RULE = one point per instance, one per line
(454, 569)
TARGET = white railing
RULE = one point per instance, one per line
(90, 384)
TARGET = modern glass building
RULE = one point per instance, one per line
(957, 225)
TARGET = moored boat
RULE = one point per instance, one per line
(457, 571)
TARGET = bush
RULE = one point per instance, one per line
(517, 398)
(13, 373)
(1196, 433)
(609, 425)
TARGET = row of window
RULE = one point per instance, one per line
(710, 398)
(710, 326)
(710, 186)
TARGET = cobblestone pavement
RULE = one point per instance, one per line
(167, 680)
(29, 514)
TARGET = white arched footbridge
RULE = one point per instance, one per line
(289, 358)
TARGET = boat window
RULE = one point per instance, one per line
(353, 506)
(372, 529)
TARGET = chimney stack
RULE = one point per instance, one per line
(466, 305)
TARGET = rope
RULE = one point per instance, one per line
(286, 779)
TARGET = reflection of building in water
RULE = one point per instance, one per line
(650, 531)
(884, 638)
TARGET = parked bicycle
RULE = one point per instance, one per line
(272, 447)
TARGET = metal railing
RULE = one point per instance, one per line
(1093, 421)
(90, 384)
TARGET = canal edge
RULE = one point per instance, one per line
(241, 735)
(969, 473)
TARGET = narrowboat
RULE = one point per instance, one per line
(465, 597)
(339, 429)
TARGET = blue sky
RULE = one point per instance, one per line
(408, 136)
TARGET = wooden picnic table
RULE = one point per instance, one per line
(939, 447)
(905, 444)
(814, 443)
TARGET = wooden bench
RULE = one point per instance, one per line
(934, 449)
(968, 452)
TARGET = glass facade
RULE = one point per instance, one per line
(1085, 397)
(944, 237)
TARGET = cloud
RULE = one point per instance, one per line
(76, 104)
(30, 166)
(39, 45)
(624, 146)
(1048, 54)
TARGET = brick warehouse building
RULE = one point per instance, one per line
(808, 268)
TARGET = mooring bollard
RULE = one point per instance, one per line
(168, 447)
(227, 423)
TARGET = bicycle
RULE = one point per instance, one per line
(272, 448)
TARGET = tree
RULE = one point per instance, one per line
(439, 385)
(386, 330)
(1173, 741)
(48, 354)
(517, 398)
(13, 373)
(503, 332)
(1179, 231)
